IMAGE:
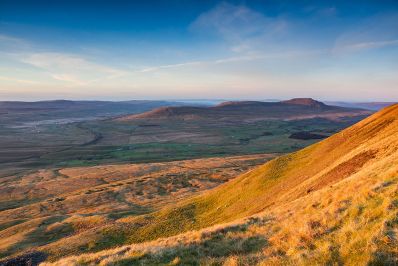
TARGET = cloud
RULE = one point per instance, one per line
(156, 68)
(370, 45)
(10, 43)
(6, 38)
(238, 25)
(69, 68)
(242, 58)
(23, 81)
(232, 22)
(373, 32)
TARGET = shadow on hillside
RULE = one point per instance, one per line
(28, 259)
(215, 248)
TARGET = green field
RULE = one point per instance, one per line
(96, 142)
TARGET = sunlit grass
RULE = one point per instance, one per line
(303, 214)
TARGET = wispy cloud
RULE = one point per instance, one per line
(238, 25)
(72, 69)
(241, 58)
(11, 43)
(6, 38)
(371, 33)
(368, 45)
(23, 81)
(156, 68)
(69, 68)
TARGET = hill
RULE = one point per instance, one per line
(373, 106)
(332, 202)
(15, 112)
(306, 102)
(299, 108)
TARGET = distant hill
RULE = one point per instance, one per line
(374, 106)
(335, 197)
(298, 108)
(15, 112)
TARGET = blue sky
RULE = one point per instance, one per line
(121, 50)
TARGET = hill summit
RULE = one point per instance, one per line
(306, 102)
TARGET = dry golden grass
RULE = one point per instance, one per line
(333, 203)
(76, 200)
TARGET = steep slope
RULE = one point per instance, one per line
(283, 179)
(298, 108)
(366, 152)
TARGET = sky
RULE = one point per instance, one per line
(185, 49)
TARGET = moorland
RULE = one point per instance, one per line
(292, 182)
(293, 210)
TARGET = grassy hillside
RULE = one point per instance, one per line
(47, 205)
(333, 202)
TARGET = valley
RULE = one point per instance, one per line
(232, 130)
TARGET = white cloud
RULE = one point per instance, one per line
(232, 22)
(368, 45)
(156, 68)
(238, 25)
(70, 68)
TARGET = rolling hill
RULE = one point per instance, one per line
(299, 108)
(334, 202)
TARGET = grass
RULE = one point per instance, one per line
(93, 197)
(332, 226)
(306, 215)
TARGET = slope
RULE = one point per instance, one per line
(370, 144)
(43, 206)
(352, 222)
